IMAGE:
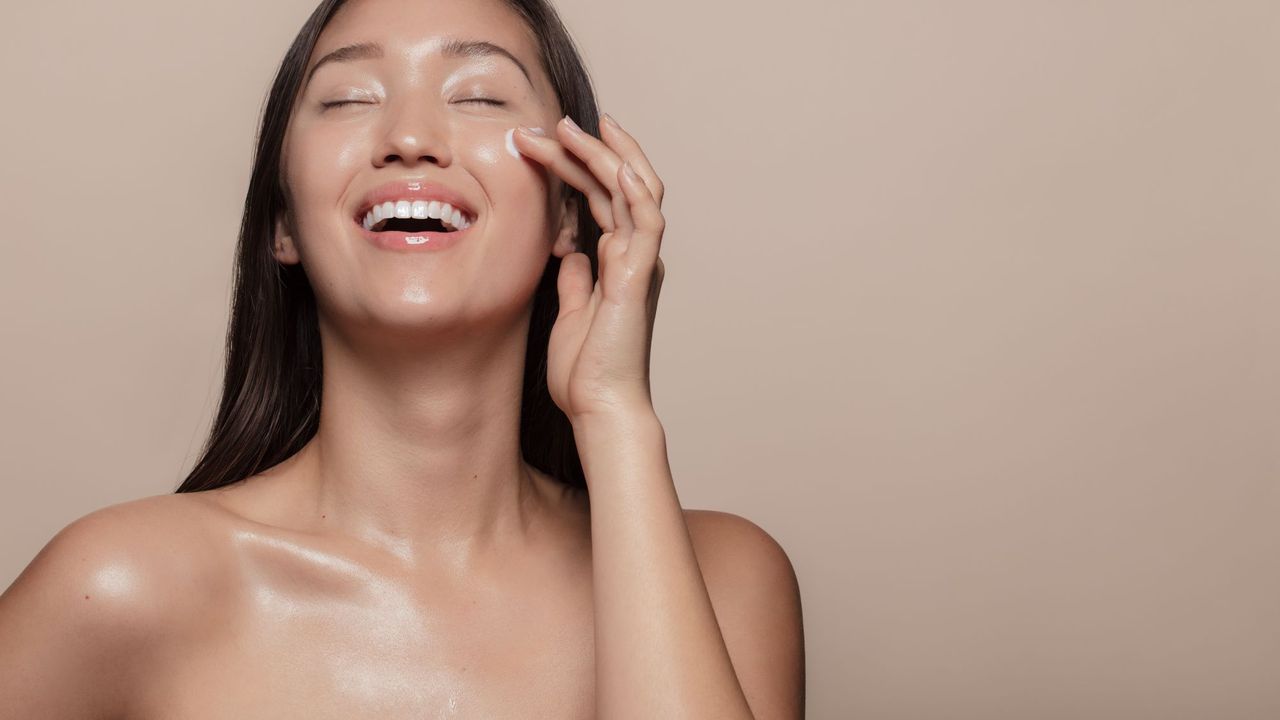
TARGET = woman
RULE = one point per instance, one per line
(479, 519)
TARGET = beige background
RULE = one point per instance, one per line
(974, 306)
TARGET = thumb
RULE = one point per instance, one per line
(574, 284)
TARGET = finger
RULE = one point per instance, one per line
(615, 243)
(602, 160)
(551, 153)
(646, 237)
(622, 211)
(629, 150)
(574, 283)
(621, 236)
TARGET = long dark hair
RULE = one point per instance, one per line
(270, 404)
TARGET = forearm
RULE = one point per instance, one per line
(659, 650)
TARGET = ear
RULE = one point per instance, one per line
(567, 236)
(282, 245)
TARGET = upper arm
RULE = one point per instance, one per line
(756, 597)
(75, 621)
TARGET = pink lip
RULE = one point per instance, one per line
(414, 189)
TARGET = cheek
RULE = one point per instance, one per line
(330, 151)
(319, 161)
(497, 148)
(508, 173)
(509, 142)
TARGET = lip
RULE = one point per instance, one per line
(414, 189)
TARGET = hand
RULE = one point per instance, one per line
(598, 355)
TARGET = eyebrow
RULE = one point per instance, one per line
(452, 48)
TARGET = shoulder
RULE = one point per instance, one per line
(126, 563)
(91, 606)
(735, 549)
(754, 590)
(110, 553)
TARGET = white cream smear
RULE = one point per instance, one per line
(511, 140)
(511, 143)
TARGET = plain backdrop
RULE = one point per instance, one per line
(973, 306)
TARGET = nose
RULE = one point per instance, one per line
(412, 138)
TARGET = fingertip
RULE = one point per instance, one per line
(525, 131)
(628, 177)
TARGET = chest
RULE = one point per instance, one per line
(289, 648)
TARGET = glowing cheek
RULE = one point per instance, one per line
(488, 154)
(349, 154)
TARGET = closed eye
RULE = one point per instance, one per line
(336, 103)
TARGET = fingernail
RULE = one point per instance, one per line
(531, 130)
(571, 124)
(630, 171)
(609, 119)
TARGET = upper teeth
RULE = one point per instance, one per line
(420, 209)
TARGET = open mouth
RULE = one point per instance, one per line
(415, 216)
(412, 225)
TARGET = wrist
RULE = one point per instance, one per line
(639, 423)
(621, 416)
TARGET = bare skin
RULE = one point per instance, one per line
(231, 603)
(407, 562)
(314, 624)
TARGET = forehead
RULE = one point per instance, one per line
(413, 30)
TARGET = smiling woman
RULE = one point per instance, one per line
(436, 482)
(271, 401)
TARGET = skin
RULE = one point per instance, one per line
(407, 562)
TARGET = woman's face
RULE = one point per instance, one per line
(413, 116)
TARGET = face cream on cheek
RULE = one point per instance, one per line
(511, 142)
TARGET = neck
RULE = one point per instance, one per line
(418, 446)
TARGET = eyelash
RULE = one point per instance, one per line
(337, 103)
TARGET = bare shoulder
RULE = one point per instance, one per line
(736, 554)
(127, 561)
(81, 619)
(735, 550)
(756, 596)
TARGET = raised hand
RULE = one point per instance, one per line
(598, 356)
